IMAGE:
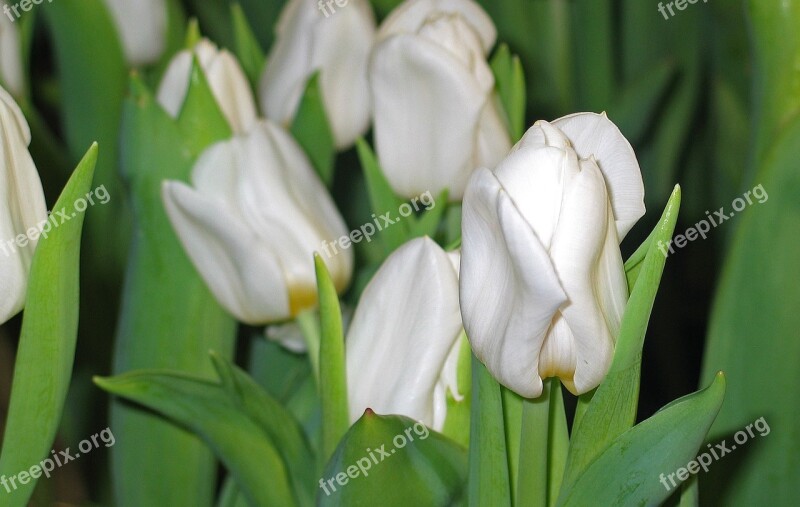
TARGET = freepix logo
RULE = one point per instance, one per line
(55, 220)
(25, 5)
(57, 460)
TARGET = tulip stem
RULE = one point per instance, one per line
(543, 448)
(488, 481)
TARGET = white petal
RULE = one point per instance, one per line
(142, 25)
(426, 113)
(288, 335)
(509, 289)
(237, 266)
(411, 15)
(267, 181)
(543, 134)
(231, 89)
(288, 63)
(175, 83)
(11, 73)
(23, 209)
(595, 135)
(534, 177)
(402, 333)
(338, 46)
(341, 49)
(448, 383)
(225, 77)
(578, 244)
(494, 140)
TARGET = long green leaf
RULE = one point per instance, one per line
(382, 198)
(169, 319)
(46, 350)
(333, 368)
(753, 336)
(214, 411)
(92, 74)
(510, 83)
(613, 407)
(631, 469)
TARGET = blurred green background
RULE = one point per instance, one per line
(708, 98)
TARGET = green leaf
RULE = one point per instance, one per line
(613, 407)
(428, 222)
(332, 364)
(313, 131)
(169, 318)
(226, 418)
(382, 198)
(200, 120)
(633, 266)
(396, 462)
(46, 350)
(276, 421)
(248, 51)
(628, 472)
(488, 482)
(510, 83)
(753, 336)
(92, 76)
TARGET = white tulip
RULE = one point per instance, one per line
(142, 26)
(225, 77)
(403, 343)
(338, 47)
(11, 74)
(23, 209)
(435, 109)
(543, 287)
(251, 221)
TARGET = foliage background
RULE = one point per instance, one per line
(709, 100)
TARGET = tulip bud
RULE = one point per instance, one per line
(142, 26)
(543, 287)
(251, 221)
(402, 346)
(11, 75)
(225, 77)
(435, 108)
(337, 44)
(23, 209)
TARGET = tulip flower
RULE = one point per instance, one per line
(338, 47)
(402, 346)
(251, 221)
(23, 210)
(142, 26)
(543, 287)
(11, 75)
(435, 109)
(225, 77)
